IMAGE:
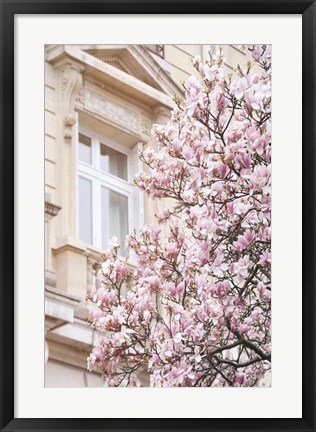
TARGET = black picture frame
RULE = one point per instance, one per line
(8, 9)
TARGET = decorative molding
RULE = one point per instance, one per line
(69, 122)
(61, 296)
(154, 67)
(71, 81)
(146, 126)
(59, 308)
(51, 209)
(117, 59)
(103, 85)
(50, 278)
(64, 354)
(81, 95)
(69, 244)
(161, 114)
(59, 311)
(70, 78)
(82, 312)
(70, 353)
(113, 110)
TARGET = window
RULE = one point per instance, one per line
(108, 204)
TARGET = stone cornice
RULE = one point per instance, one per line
(62, 296)
(51, 209)
(117, 59)
(69, 244)
(162, 78)
(114, 90)
(112, 75)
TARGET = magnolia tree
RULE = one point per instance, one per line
(197, 309)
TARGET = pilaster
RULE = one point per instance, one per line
(69, 84)
(51, 210)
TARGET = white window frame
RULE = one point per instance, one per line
(100, 178)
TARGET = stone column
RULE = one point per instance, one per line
(69, 84)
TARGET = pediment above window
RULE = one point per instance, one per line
(121, 59)
(132, 70)
(144, 62)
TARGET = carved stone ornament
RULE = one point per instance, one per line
(116, 59)
(71, 81)
(70, 84)
(69, 122)
(112, 110)
(51, 209)
(146, 127)
(114, 90)
(81, 95)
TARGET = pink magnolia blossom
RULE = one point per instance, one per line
(196, 309)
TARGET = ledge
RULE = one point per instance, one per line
(61, 296)
(51, 209)
(69, 244)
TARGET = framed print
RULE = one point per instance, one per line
(157, 181)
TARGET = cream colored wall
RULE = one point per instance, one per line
(50, 142)
(59, 375)
(65, 264)
(179, 57)
(50, 130)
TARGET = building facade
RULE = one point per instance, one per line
(100, 104)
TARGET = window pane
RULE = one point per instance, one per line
(114, 218)
(113, 162)
(85, 210)
(84, 149)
